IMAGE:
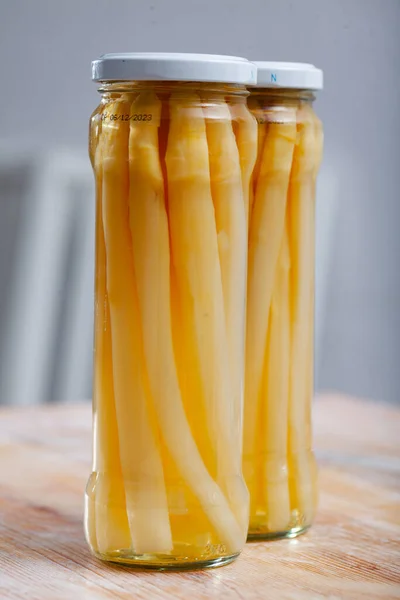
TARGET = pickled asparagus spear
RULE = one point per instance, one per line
(266, 233)
(142, 470)
(275, 397)
(245, 130)
(319, 132)
(230, 215)
(301, 234)
(90, 516)
(262, 132)
(94, 136)
(150, 239)
(90, 509)
(230, 218)
(112, 528)
(198, 277)
(255, 108)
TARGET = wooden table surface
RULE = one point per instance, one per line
(352, 552)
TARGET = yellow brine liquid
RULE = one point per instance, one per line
(173, 169)
(278, 462)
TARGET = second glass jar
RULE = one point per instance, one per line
(278, 461)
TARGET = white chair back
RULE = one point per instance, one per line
(48, 321)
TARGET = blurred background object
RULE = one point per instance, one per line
(47, 328)
(46, 187)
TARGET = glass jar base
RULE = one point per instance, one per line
(265, 535)
(164, 562)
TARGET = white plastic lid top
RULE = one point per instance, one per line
(160, 66)
(302, 76)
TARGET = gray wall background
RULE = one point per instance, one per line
(46, 47)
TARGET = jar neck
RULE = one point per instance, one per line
(281, 96)
(209, 90)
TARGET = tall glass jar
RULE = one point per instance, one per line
(278, 461)
(173, 147)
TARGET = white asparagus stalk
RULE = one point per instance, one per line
(94, 137)
(260, 117)
(146, 498)
(301, 229)
(112, 528)
(246, 133)
(90, 505)
(266, 232)
(150, 238)
(188, 369)
(275, 398)
(230, 219)
(319, 141)
(319, 133)
(262, 132)
(90, 516)
(195, 255)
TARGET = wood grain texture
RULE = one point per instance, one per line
(352, 552)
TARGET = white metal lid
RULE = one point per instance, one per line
(302, 76)
(160, 66)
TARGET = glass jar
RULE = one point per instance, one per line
(278, 461)
(172, 161)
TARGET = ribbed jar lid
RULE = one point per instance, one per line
(302, 76)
